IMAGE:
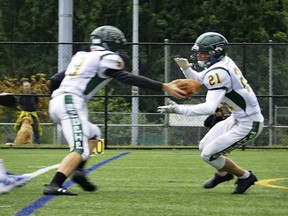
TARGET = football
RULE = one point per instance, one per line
(192, 87)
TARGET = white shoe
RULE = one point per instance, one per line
(11, 181)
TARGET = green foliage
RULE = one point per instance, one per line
(115, 103)
(180, 21)
(280, 37)
(40, 86)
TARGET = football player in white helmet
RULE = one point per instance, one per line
(86, 74)
(226, 84)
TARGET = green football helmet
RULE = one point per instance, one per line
(108, 37)
(213, 43)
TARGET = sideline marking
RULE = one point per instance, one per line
(41, 171)
(45, 198)
(267, 183)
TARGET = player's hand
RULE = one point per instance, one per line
(183, 63)
(174, 90)
(172, 107)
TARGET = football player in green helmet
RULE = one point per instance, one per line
(108, 37)
(225, 84)
(86, 74)
(213, 45)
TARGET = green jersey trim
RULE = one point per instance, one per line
(96, 80)
(250, 136)
(237, 99)
(76, 124)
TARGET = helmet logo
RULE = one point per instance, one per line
(113, 36)
(219, 46)
(218, 49)
(195, 47)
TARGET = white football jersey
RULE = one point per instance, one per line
(225, 75)
(85, 73)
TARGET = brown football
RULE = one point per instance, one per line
(192, 87)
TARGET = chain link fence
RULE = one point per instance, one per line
(129, 118)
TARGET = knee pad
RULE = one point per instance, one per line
(217, 162)
(201, 146)
(85, 155)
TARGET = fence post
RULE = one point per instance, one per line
(270, 93)
(167, 70)
(64, 50)
(106, 117)
(135, 71)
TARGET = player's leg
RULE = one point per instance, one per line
(213, 154)
(67, 110)
(2, 169)
(245, 178)
(66, 168)
(217, 131)
(79, 176)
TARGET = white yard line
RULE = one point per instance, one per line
(41, 171)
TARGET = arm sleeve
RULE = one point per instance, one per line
(213, 99)
(131, 79)
(56, 80)
(189, 73)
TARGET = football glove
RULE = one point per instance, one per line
(183, 63)
(172, 107)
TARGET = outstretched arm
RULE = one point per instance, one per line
(145, 82)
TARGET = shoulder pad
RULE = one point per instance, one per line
(112, 61)
(217, 78)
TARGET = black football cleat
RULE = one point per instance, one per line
(217, 179)
(243, 184)
(80, 178)
(55, 190)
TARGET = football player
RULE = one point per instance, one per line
(225, 83)
(86, 74)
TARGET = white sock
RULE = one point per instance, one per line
(2, 169)
(221, 173)
(246, 175)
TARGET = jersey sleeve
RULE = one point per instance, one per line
(212, 101)
(56, 80)
(217, 78)
(110, 61)
(189, 73)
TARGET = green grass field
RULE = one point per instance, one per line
(148, 182)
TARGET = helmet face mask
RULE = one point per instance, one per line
(108, 37)
(214, 44)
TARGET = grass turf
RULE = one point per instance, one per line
(150, 182)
